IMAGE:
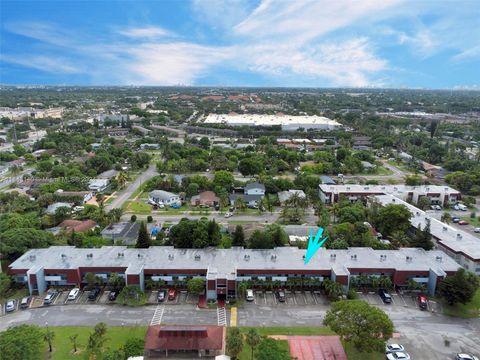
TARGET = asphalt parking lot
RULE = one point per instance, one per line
(269, 298)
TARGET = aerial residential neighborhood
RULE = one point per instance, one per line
(239, 180)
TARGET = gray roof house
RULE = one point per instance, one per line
(327, 180)
(252, 193)
(127, 232)
(165, 197)
(284, 196)
(51, 209)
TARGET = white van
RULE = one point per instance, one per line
(250, 295)
(73, 294)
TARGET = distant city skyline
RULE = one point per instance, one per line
(306, 43)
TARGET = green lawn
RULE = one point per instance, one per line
(116, 337)
(474, 222)
(139, 207)
(352, 353)
(469, 310)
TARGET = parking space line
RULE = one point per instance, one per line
(294, 298)
(57, 297)
(304, 297)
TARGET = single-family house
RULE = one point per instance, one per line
(71, 225)
(127, 232)
(205, 198)
(52, 209)
(252, 193)
(84, 195)
(147, 146)
(98, 185)
(327, 180)
(164, 197)
(284, 196)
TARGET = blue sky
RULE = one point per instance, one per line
(317, 43)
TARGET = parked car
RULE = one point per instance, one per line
(280, 295)
(172, 294)
(73, 294)
(113, 295)
(422, 302)
(50, 297)
(389, 348)
(477, 230)
(460, 207)
(92, 295)
(228, 214)
(463, 222)
(25, 302)
(249, 295)
(463, 356)
(399, 355)
(387, 299)
(161, 296)
(455, 219)
(11, 305)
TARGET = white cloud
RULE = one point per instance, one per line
(305, 20)
(148, 32)
(43, 63)
(222, 14)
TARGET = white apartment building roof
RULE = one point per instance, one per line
(270, 120)
(396, 190)
(457, 240)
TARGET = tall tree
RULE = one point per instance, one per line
(391, 218)
(253, 338)
(365, 326)
(238, 237)
(270, 349)
(459, 288)
(73, 340)
(143, 240)
(21, 342)
(196, 286)
(234, 342)
(423, 237)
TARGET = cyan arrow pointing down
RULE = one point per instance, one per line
(314, 244)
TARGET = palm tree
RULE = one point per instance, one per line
(73, 340)
(446, 218)
(115, 215)
(240, 204)
(253, 339)
(334, 209)
(48, 338)
(122, 178)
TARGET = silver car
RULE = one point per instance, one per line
(390, 348)
(400, 355)
(11, 305)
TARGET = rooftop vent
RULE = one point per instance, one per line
(366, 188)
(273, 257)
(438, 258)
(445, 228)
(170, 256)
(246, 257)
(121, 255)
(333, 257)
(383, 257)
(184, 251)
(459, 236)
(32, 257)
(383, 187)
(348, 187)
(139, 256)
(64, 256)
(393, 200)
(409, 258)
(395, 188)
(354, 257)
(197, 257)
(89, 256)
(417, 213)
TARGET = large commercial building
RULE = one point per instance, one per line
(458, 244)
(287, 122)
(440, 195)
(224, 268)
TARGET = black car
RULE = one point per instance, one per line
(113, 295)
(280, 295)
(92, 295)
(386, 297)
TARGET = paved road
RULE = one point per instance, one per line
(123, 195)
(266, 217)
(421, 332)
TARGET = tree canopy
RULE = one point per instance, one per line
(23, 342)
(459, 288)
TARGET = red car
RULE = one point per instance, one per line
(463, 222)
(172, 294)
(422, 302)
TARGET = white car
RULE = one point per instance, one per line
(73, 294)
(228, 214)
(250, 296)
(11, 305)
(477, 230)
(400, 355)
(393, 348)
(465, 357)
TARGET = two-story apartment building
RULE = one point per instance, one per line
(223, 269)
